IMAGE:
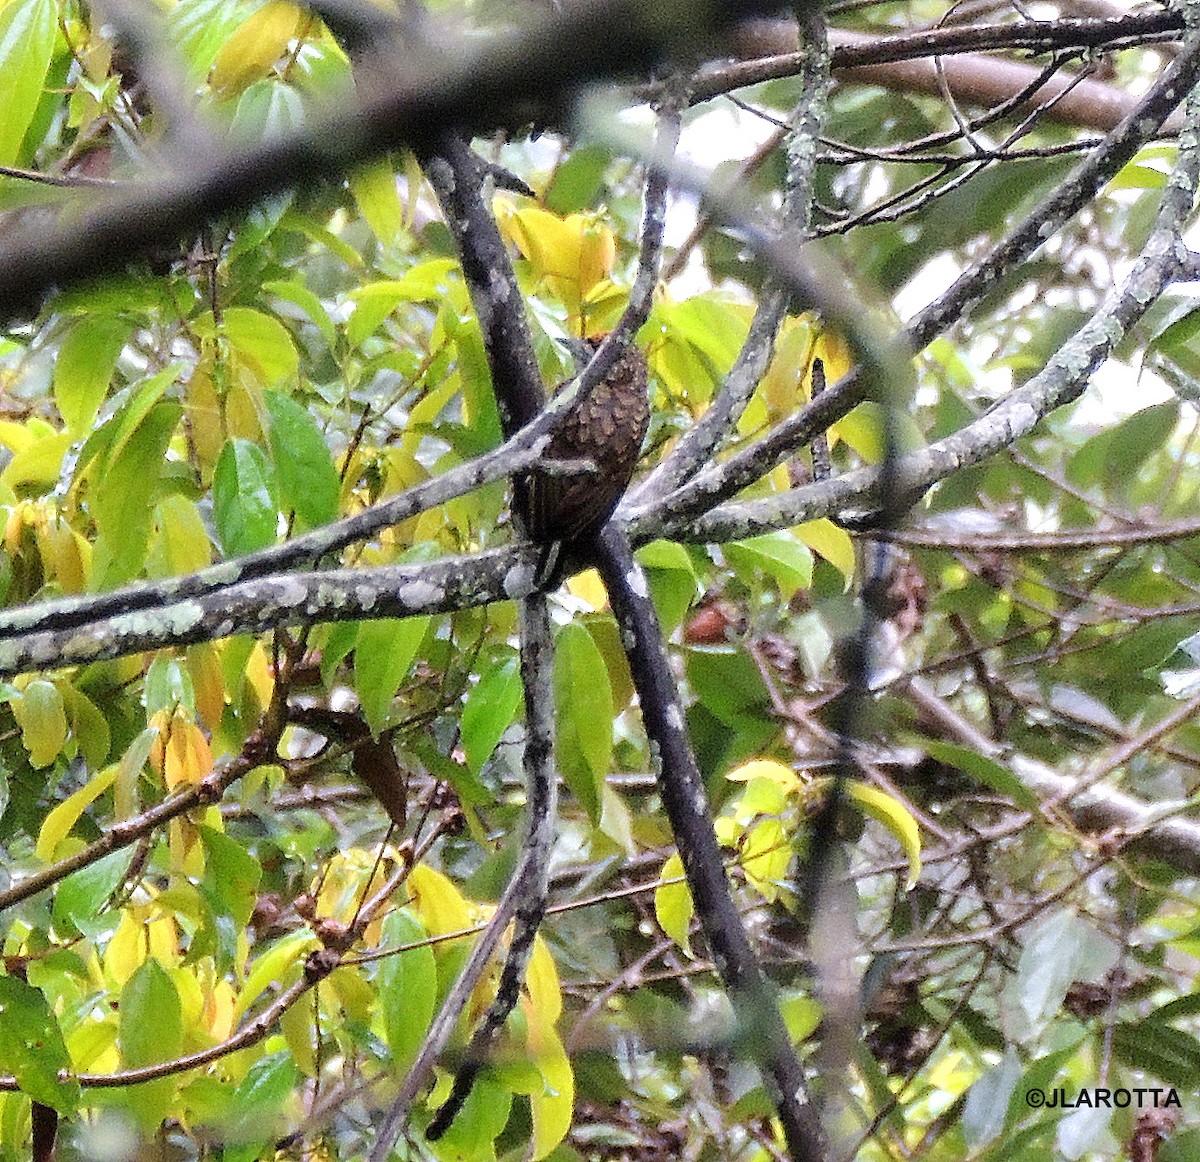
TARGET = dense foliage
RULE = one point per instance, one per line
(937, 648)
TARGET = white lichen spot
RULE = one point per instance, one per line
(226, 573)
(225, 628)
(291, 593)
(367, 596)
(420, 594)
(173, 620)
(674, 718)
(636, 580)
(518, 581)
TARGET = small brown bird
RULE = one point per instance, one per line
(606, 426)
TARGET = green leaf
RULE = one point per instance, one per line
(578, 181)
(1115, 455)
(382, 658)
(81, 897)
(295, 292)
(267, 109)
(472, 1134)
(150, 1026)
(779, 555)
(32, 1047)
(490, 708)
(84, 368)
(244, 509)
(987, 1101)
(123, 503)
(27, 31)
(231, 876)
(671, 575)
(1170, 1054)
(308, 482)
(986, 770)
(407, 987)
(583, 697)
(261, 1098)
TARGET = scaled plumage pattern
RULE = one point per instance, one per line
(607, 427)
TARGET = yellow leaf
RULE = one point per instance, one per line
(801, 1014)
(163, 939)
(65, 554)
(785, 386)
(776, 772)
(759, 797)
(217, 1014)
(260, 675)
(205, 421)
(17, 437)
(833, 350)
(765, 856)
(541, 983)
(181, 543)
(551, 1109)
(39, 463)
(588, 587)
(40, 714)
(673, 903)
(127, 949)
(189, 758)
(831, 542)
(864, 430)
(298, 1031)
(58, 823)
(440, 906)
(896, 817)
(249, 54)
(570, 255)
(204, 668)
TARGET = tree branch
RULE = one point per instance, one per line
(762, 1034)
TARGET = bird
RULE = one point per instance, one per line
(605, 426)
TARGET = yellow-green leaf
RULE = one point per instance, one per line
(768, 769)
(42, 718)
(249, 54)
(896, 817)
(673, 903)
(551, 1109)
(766, 853)
(831, 542)
(27, 31)
(374, 189)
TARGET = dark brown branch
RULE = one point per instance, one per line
(543, 61)
(762, 1034)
